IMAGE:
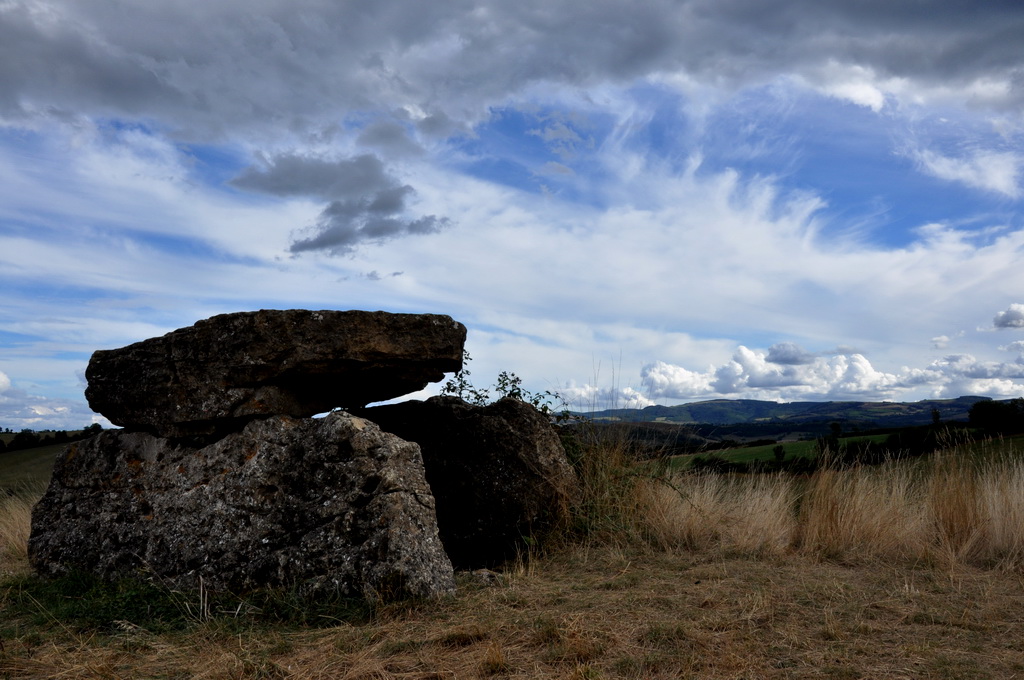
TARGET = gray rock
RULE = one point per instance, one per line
(329, 504)
(212, 377)
(499, 473)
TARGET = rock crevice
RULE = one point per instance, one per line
(213, 376)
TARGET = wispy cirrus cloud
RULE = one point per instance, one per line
(997, 172)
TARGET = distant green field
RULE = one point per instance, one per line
(28, 467)
(1001, 446)
(806, 449)
(747, 454)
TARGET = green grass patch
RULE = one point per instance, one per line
(85, 602)
(749, 454)
(28, 467)
(1001, 446)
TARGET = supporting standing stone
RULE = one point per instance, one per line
(330, 504)
(499, 473)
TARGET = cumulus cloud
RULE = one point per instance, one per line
(665, 380)
(959, 374)
(1013, 317)
(751, 374)
(591, 397)
(366, 203)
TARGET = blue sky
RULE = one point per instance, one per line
(628, 204)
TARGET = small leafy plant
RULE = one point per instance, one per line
(508, 384)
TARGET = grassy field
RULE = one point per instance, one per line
(29, 466)
(808, 449)
(905, 570)
(749, 454)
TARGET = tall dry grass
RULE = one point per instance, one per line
(878, 512)
(15, 523)
(978, 510)
(700, 511)
(953, 509)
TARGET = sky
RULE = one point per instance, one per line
(625, 203)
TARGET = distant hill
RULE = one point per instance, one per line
(863, 415)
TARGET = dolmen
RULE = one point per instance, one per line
(221, 477)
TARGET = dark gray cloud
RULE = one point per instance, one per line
(1013, 317)
(53, 67)
(438, 124)
(366, 203)
(340, 229)
(789, 353)
(389, 137)
(298, 66)
(290, 175)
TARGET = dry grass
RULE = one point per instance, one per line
(898, 571)
(750, 516)
(599, 613)
(865, 513)
(15, 519)
(952, 510)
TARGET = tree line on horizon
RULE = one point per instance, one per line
(30, 439)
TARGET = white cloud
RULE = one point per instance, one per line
(594, 398)
(852, 82)
(998, 172)
(840, 377)
(664, 380)
(20, 410)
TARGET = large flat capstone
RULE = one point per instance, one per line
(211, 377)
(326, 505)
